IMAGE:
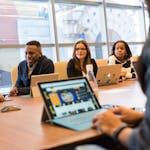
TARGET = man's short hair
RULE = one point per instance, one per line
(36, 43)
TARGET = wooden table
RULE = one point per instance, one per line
(127, 93)
(23, 129)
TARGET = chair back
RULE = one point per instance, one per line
(61, 69)
(14, 75)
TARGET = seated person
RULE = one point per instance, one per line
(81, 57)
(34, 64)
(1, 98)
(121, 54)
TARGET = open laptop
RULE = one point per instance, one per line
(70, 103)
(41, 78)
(5, 90)
(108, 74)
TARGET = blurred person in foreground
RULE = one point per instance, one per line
(137, 138)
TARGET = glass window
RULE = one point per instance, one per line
(79, 21)
(33, 22)
(136, 49)
(59, 24)
(22, 21)
(65, 53)
(100, 51)
(8, 58)
(147, 21)
(125, 23)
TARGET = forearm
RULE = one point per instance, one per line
(124, 136)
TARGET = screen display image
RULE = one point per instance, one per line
(69, 97)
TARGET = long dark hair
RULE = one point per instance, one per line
(87, 59)
(128, 55)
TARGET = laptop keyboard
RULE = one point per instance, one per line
(81, 119)
(110, 106)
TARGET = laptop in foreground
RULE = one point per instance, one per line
(70, 103)
(41, 78)
(108, 74)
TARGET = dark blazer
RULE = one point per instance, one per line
(44, 66)
(73, 72)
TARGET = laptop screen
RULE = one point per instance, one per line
(68, 97)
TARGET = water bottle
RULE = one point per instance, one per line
(90, 76)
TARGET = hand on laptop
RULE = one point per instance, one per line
(128, 115)
(107, 122)
(112, 119)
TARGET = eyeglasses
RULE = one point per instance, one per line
(82, 49)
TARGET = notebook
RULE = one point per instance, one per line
(108, 74)
(41, 78)
(69, 103)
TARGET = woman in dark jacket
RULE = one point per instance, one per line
(81, 57)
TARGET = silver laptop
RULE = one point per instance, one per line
(5, 90)
(41, 78)
(70, 103)
(108, 74)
